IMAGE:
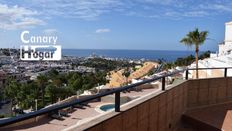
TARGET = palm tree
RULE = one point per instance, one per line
(42, 82)
(195, 38)
(11, 90)
(126, 73)
(51, 92)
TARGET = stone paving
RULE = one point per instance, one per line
(74, 117)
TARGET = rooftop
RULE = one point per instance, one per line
(229, 23)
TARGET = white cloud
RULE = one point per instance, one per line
(50, 31)
(93, 9)
(83, 9)
(195, 14)
(18, 17)
(103, 30)
(178, 15)
(178, 9)
(222, 7)
(163, 2)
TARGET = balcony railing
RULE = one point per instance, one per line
(115, 91)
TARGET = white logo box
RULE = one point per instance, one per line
(40, 52)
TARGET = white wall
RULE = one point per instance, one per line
(228, 32)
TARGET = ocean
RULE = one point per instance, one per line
(129, 54)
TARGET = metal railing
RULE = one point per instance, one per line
(214, 68)
(115, 91)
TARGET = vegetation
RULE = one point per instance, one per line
(195, 38)
(126, 73)
(54, 86)
(185, 61)
(7, 51)
(107, 65)
(49, 88)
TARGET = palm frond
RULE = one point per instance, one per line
(203, 36)
(195, 38)
(187, 41)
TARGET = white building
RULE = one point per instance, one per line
(226, 47)
(221, 59)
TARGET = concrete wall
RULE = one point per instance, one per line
(214, 73)
(163, 111)
(157, 112)
(204, 92)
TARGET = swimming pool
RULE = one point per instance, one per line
(107, 107)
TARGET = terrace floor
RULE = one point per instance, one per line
(74, 117)
(214, 118)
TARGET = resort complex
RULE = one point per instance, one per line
(116, 65)
(118, 79)
(140, 96)
(222, 58)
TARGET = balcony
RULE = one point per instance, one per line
(187, 105)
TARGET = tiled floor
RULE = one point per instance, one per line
(74, 117)
(219, 116)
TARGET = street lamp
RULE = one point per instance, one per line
(36, 104)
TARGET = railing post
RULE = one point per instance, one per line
(225, 73)
(163, 83)
(186, 74)
(117, 102)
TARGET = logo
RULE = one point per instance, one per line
(37, 48)
(40, 52)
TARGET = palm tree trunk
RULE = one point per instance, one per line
(11, 106)
(43, 103)
(197, 50)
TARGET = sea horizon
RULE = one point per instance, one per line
(167, 55)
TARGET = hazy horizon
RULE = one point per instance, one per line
(186, 50)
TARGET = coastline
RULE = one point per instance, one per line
(165, 55)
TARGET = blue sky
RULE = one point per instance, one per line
(114, 24)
